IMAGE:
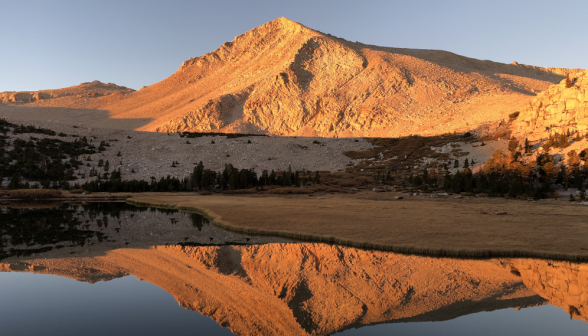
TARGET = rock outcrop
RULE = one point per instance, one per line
(283, 78)
(564, 284)
(561, 108)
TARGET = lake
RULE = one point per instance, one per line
(117, 269)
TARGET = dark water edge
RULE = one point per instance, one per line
(35, 229)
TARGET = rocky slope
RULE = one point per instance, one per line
(304, 289)
(286, 79)
(560, 108)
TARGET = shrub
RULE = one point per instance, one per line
(569, 82)
(347, 183)
(514, 115)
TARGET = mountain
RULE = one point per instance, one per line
(283, 78)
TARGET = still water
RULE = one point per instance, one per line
(116, 269)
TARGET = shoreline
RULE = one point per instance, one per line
(467, 243)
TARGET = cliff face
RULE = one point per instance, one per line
(560, 108)
(304, 289)
(286, 79)
(564, 284)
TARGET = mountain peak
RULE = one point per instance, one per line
(285, 22)
(280, 26)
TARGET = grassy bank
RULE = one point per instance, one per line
(438, 227)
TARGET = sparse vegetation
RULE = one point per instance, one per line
(49, 162)
(506, 176)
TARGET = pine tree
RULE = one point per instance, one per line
(569, 82)
(466, 163)
(456, 164)
(563, 141)
(197, 175)
(107, 166)
(317, 178)
(526, 145)
(425, 177)
(264, 180)
(288, 178)
(513, 144)
(14, 182)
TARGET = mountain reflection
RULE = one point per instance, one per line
(297, 288)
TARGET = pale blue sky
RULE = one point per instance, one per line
(53, 44)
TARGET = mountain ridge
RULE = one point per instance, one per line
(283, 78)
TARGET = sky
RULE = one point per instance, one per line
(54, 44)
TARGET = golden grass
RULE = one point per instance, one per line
(34, 194)
(290, 190)
(441, 227)
(79, 191)
(240, 191)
